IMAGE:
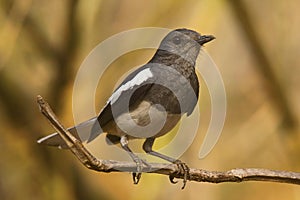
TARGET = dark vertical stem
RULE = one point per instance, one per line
(68, 53)
(264, 65)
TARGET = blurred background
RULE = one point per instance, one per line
(43, 43)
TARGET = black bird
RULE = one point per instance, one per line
(150, 101)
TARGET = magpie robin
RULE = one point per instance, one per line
(150, 101)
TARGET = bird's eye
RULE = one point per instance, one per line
(177, 40)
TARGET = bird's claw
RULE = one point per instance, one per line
(136, 177)
(183, 169)
(139, 168)
(171, 178)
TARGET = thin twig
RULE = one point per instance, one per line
(199, 175)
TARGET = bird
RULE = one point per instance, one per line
(150, 101)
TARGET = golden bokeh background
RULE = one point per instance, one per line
(43, 43)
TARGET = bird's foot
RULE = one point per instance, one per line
(138, 174)
(139, 169)
(183, 169)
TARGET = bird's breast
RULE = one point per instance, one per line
(143, 121)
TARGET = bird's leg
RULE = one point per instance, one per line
(136, 175)
(184, 169)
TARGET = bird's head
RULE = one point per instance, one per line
(185, 43)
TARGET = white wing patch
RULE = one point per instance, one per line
(141, 77)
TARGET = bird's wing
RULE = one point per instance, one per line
(129, 92)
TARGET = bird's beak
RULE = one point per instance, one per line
(205, 38)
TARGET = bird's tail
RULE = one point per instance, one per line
(82, 131)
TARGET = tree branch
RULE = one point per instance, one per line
(199, 175)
